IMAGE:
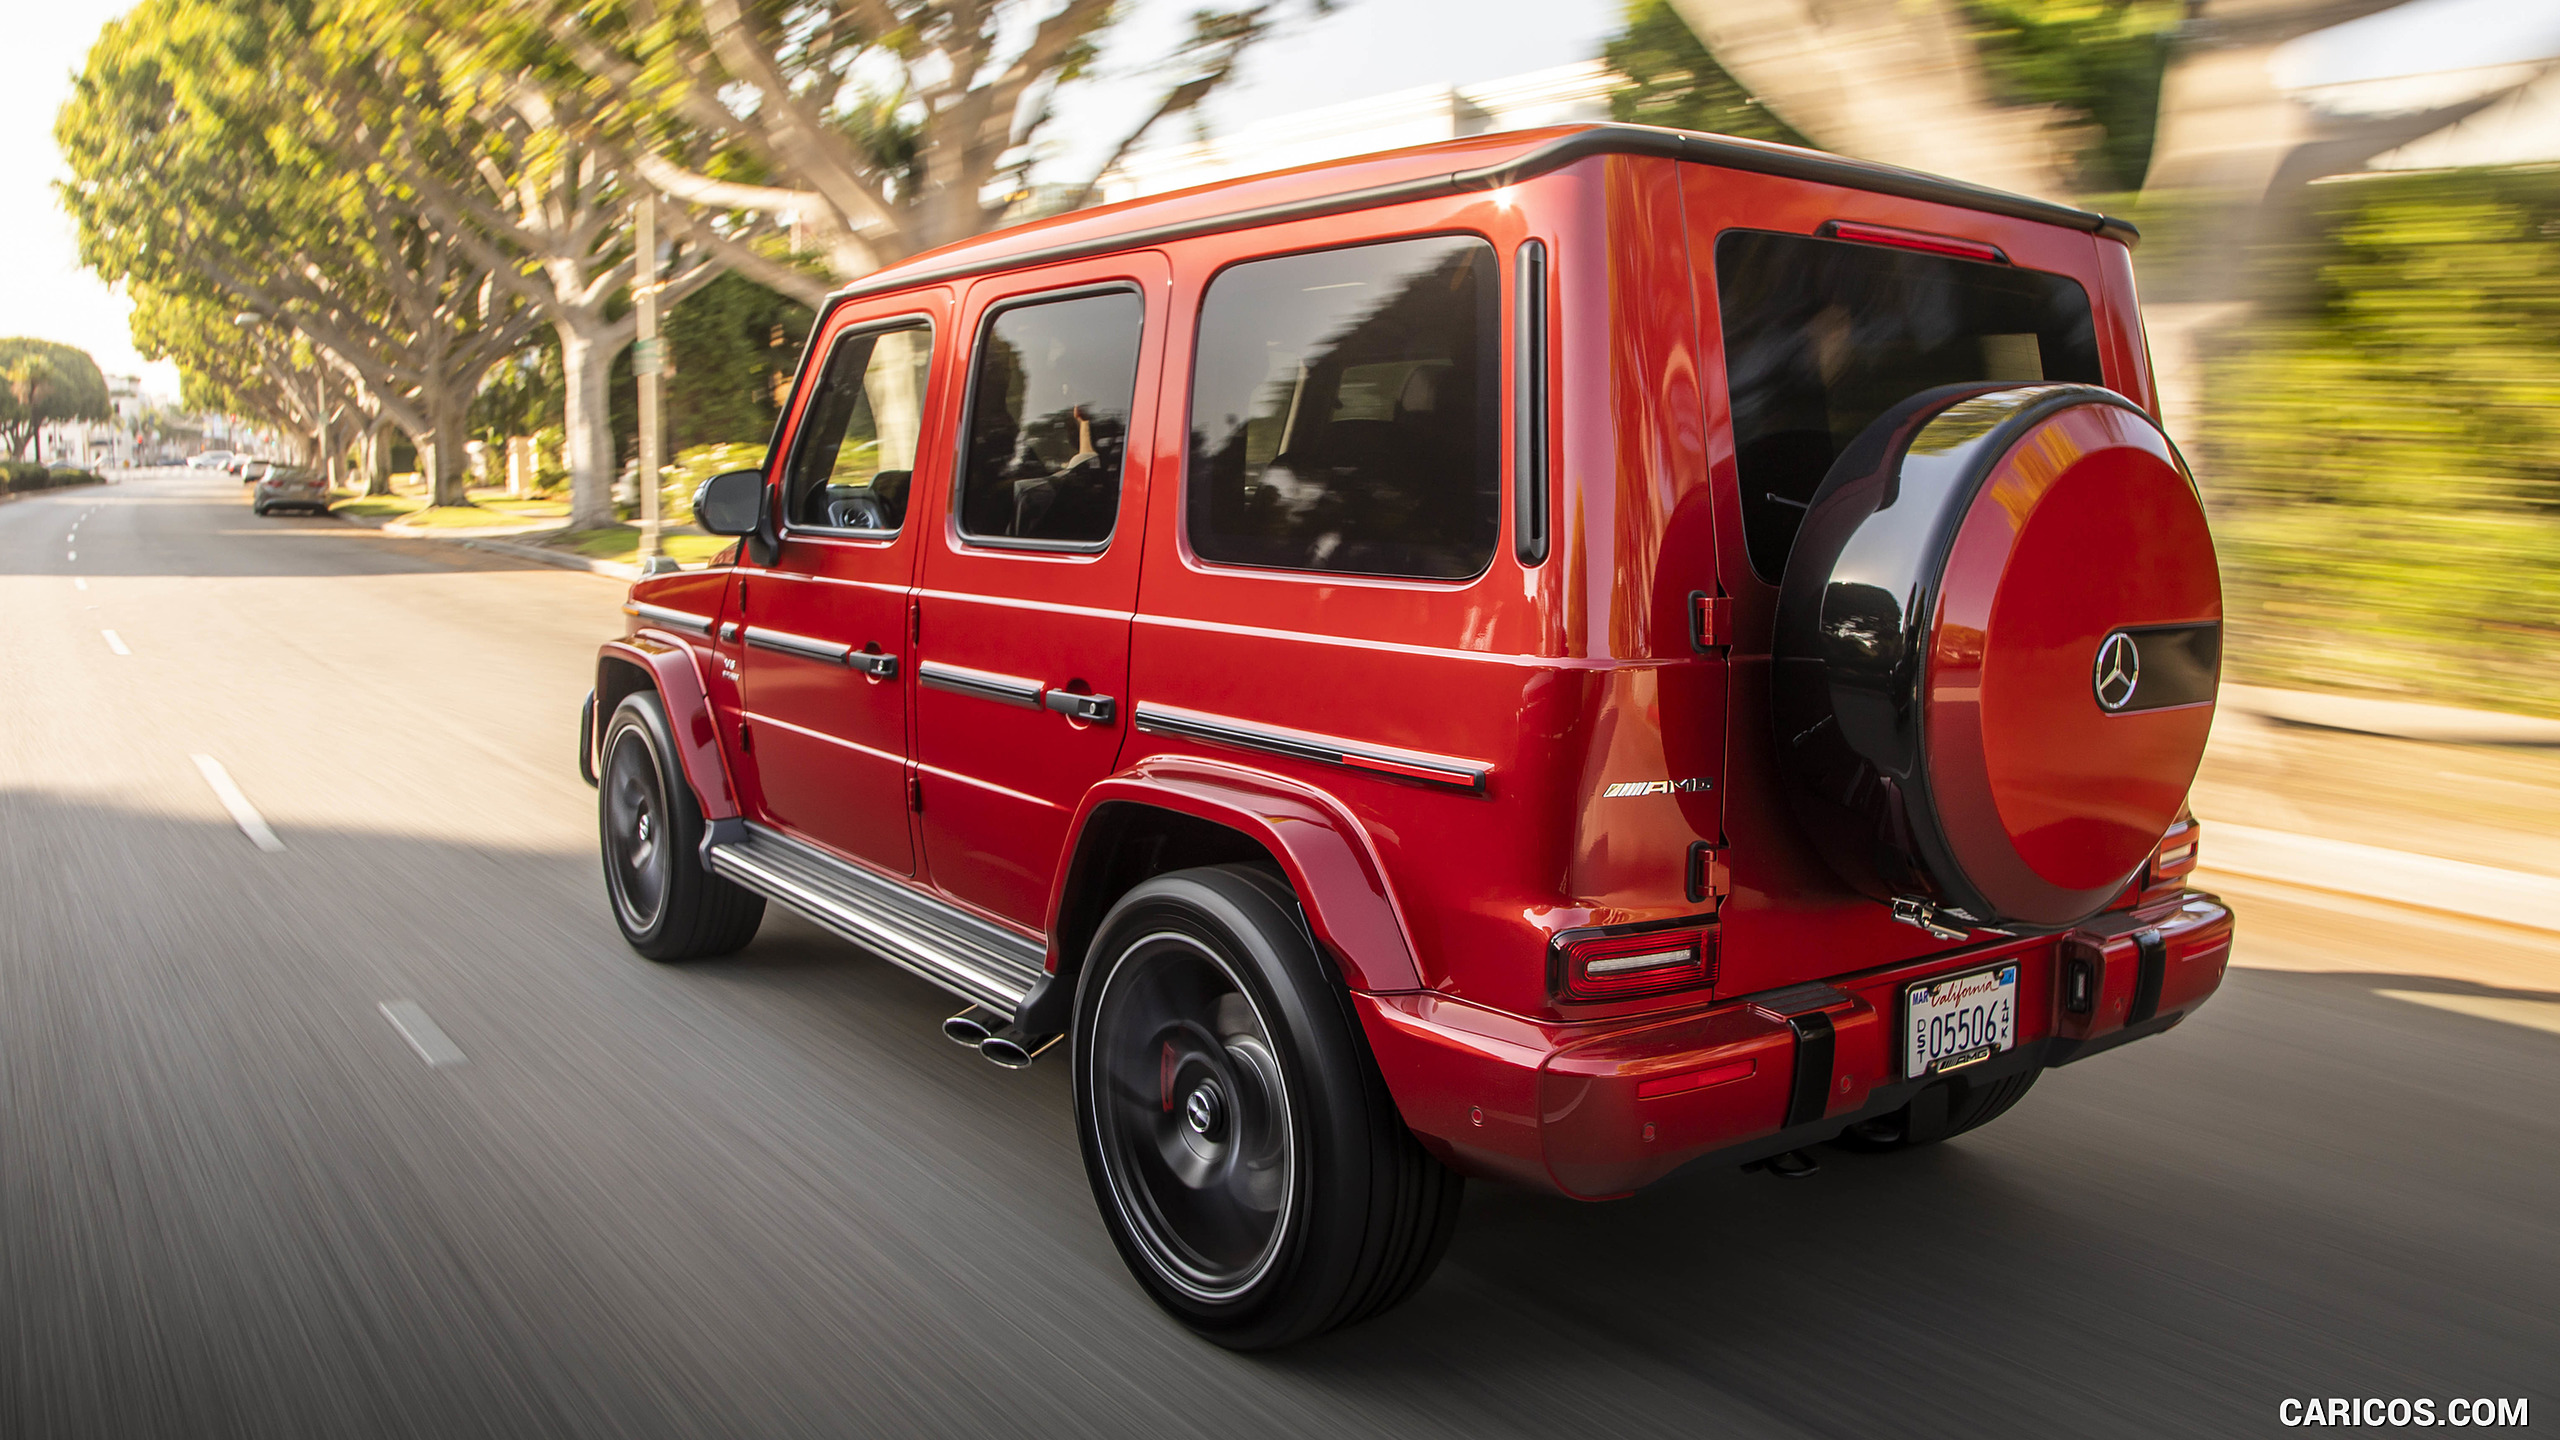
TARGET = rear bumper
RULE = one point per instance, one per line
(1599, 1110)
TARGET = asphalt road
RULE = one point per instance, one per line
(763, 1197)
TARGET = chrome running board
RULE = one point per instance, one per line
(979, 962)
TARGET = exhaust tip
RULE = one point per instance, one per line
(1013, 1051)
(970, 1027)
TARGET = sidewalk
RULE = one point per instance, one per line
(2297, 786)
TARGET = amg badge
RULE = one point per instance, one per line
(1690, 786)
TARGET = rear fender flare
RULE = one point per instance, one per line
(677, 675)
(1328, 859)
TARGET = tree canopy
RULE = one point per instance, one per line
(44, 383)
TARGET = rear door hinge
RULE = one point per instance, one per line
(1708, 878)
(1710, 621)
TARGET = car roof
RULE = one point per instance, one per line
(1449, 167)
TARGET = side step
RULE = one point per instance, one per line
(981, 963)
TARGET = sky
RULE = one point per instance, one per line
(1366, 47)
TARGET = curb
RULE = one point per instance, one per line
(2370, 872)
(2396, 719)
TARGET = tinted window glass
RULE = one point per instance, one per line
(1343, 408)
(1822, 336)
(857, 450)
(1049, 420)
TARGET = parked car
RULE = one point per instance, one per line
(282, 487)
(1552, 657)
(209, 460)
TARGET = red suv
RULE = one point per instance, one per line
(1553, 656)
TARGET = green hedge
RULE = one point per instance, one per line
(2384, 463)
(16, 475)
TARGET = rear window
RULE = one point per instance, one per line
(1823, 336)
(1343, 407)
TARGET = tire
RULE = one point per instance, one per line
(650, 827)
(1968, 1106)
(257, 509)
(1246, 1157)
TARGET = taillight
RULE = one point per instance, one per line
(1615, 967)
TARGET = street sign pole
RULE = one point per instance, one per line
(646, 361)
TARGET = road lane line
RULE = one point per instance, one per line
(79, 582)
(244, 814)
(424, 1035)
(74, 555)
(116, 643)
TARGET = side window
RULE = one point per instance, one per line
(1343, 412)
(1049, 404)
(856, 455)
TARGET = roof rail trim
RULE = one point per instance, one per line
(1732, 154)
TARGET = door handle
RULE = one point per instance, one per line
(1091, 709)
(874, 664)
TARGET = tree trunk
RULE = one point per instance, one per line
(442, 461)
(586, 370)
(376, 458)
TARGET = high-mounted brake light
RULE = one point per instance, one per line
(1915, 240)
(1612, 967)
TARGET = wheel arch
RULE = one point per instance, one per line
(625, 667)
(1171, 813)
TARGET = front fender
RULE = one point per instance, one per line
(677, 673)
(1349, 904)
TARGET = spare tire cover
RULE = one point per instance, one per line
(1998, 644)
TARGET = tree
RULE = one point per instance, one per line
(256, 371)
(863, 131)
(731, 349)
(484, 123)
(43, 383)
(200, 137)
(1890, 80)
(1672, 80)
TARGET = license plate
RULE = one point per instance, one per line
(1960, 1020)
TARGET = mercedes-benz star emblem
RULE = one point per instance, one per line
(2118, 673)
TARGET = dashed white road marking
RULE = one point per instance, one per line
(424, 1035)
(79, 582)
(74, 555)
(116, 643)
(243, 814)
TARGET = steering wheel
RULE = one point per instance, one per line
(856, 512)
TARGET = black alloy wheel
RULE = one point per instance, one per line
(1193, 1116)
(670, 907)
(1247, 1160)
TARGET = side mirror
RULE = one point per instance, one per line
(731, 504)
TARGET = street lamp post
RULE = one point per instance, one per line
(647, 359)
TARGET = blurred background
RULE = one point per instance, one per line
(400, 243)
(2348, 208)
